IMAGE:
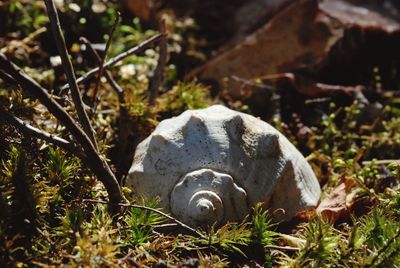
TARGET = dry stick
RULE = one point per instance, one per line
(69, 71)
(107, 74)
(101, 65)
(127, 257)
(97, 164)
(6, 78)
(381, 162)
(158, 76)
(41, 134)
(26, 40)
(181, 224)
(124, 117)
(282, 248)
(137, 49)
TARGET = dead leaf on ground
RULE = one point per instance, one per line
(297, 36)
(338, 203)
(306, 215)
(304, 35)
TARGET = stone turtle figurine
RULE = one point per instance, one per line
(212, 165)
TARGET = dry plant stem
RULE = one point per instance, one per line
(96, 163)
(158, 78)
(128, 258)
(41, 134)
(282, 248)
(69, 71)
(4, 207)
(181, 224)
(137, 49)
(6, 78)
(125, 120)
(101, 64)
(107, 74)
(246, 82)
(382, 162)
(26, 40)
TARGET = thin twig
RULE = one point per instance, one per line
(165, 225)
(381, 162)
(125, 119)
(158, 76)
(127, 257)
(137, 49)
(247, 82)
(107, 74)
(7, 78)
(282, 248)
(24, 41)
(41, 134)
(4, 207)
(181, 224)
(101, 64)
(69, 71)
(97, 164)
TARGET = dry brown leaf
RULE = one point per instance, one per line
(298, 36)
(337, 204)
(306, 215)
(304, 35)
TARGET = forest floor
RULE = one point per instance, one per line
(328, 79)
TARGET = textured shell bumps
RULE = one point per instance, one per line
(212, 165)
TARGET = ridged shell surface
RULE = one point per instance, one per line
(214, 164)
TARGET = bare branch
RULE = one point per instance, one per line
(158, 76)
(134, 50)
(97, 164)
(381, 162)
(179, 223)
(41, 134)
(7, 78)
(8, 48)
(101, 64)
(287, 248)
(107, 74)
(69, 70)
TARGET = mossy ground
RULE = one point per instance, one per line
(47, 214)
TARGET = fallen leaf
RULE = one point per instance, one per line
(306, 215)
(338, 203)
(317, 36)
(299, 36)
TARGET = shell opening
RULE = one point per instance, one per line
(205, 197)
(206, 206)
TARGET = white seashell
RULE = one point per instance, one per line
(212, 165)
